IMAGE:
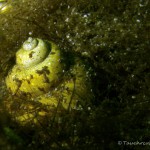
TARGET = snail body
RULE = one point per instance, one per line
(43, 76)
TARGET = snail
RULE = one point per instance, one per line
(38, 68)
(43, 74)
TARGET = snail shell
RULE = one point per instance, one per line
(38, 68)
(40, 74)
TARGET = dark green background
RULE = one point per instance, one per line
(113, 35)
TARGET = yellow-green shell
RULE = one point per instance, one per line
(40, 76)
(36, 70)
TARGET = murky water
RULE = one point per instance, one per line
(111, 38)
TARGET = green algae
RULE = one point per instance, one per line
(113, 37)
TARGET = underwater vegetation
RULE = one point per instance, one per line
(98, 92)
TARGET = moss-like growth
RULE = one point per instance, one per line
(113, 37)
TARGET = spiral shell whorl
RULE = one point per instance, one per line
(32, 52)
(30, 44)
